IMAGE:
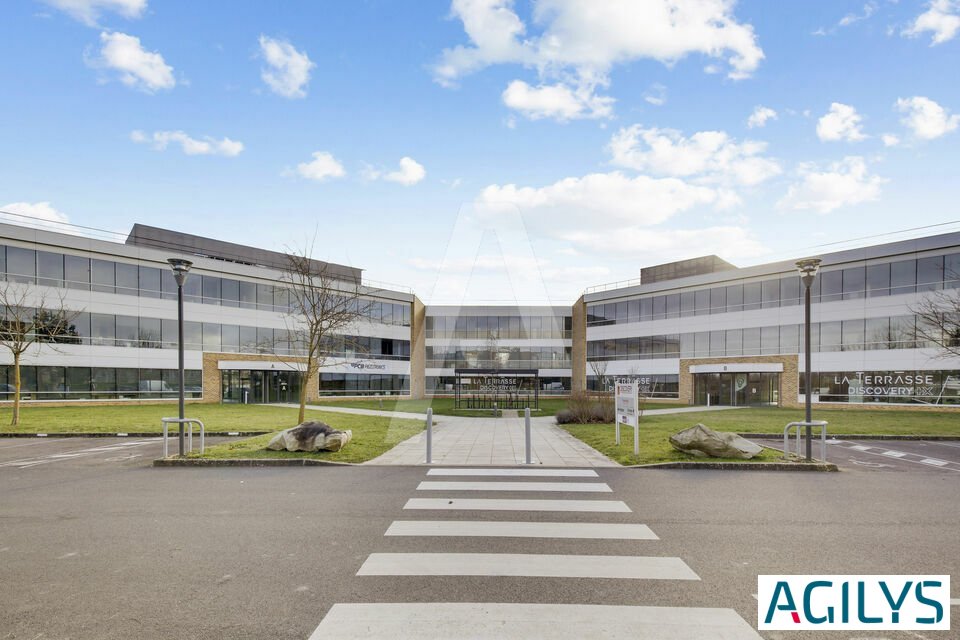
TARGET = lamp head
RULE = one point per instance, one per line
(808, 270)
(180, 268)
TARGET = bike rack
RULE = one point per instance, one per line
(187, 421)
(822, 424)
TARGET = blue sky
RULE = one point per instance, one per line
(487, 149)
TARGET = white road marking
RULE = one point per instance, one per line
(526, 565)
(934, 461)
(566, 487)
(460, 621)
(499, 529)
(860, 447)
(945, 468)
(955, 602)
(81, 453)
(894, 454)
(541, 473)
(30, 444)
(481, 504)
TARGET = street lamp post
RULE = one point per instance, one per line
(180, 268)
(808, 272)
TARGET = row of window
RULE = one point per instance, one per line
(498, 327)
(915, 387)
(888, 278)
(363, 384)
(105, 329)
(896, 332)
(106, 276)
(502, 357)
(98, 383)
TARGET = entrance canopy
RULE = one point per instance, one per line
(486, 388)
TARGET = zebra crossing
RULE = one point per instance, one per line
(456, 620)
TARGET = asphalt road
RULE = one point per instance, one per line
(102, 545)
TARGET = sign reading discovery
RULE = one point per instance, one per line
(878, 603)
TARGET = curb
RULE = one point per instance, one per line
(844, 436)
(132, 434)
(740, 466)
(249, 462)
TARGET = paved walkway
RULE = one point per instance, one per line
(494, 441)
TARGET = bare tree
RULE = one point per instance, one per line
(600, 371)
(29, 319)
(938, 322)
(323, 306)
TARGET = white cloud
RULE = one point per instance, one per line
(288, 70)
(925, 118)
(323, 167)
(37, 214)
(667, 245)
(605, 199)
(558, 101)
(760, 116)
(842, 122)
(208, 146)
(868, 10)
(410, 172)
(89, 11)
(710, 156)
(580, 41)
(137, 68)
(942, 19)
(656, 95)
(843, 183)
(890, 140)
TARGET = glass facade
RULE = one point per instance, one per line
(832, 284)
(898, 387)
(359, 384)
(498, 327)
(499, 357)
(97, 383)
(30, 266)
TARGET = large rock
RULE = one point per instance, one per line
(310, 436)
(704, 441)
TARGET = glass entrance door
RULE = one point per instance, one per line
(259, 387)
(737, 389)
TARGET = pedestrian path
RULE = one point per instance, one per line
(446, 537)
(495, 441)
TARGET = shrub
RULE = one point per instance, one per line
(565, 416)
(582, 408)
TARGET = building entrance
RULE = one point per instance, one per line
(737, 389)
(248, 386)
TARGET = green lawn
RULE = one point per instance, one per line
(372, 436)
(655, 430)
(146, 418)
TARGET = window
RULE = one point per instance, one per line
(790, 291)
(751, 341)
(790, 338)
(102, 329)
(673, 305)
(193, 289)
(735, 297)
(770, 340)
(77, 272)
(902, 332)
(718, 342)
(702, 344)
(230, 292)
(149, 334)
(878, 280)
(78, 380)
(878, 334)
(734, 342)
(951, 271)
(168, 285)
(210, 286)
(854, 283)
(853, 335)
(49, 269)
(751, 296)
(660, 307)
(248, 295)
(831, 285)
(229, 338)
(687, 303)
(103, 383)
(127, 278)
(770, 294)
(621, 312)
(830, 336)
(102, 276)
(718, 300)
(903, 277)
(193, 335)
(702, 302)
(50, 382)
(930, 273)
(169, 334)
(80, 326)
(644, 310)
(686, 345)
(128, 331)
(149, 282)
(21, 265)
(211, 336)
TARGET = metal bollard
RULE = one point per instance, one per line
(430, 435)
(526, 428)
